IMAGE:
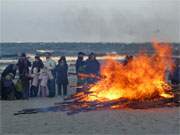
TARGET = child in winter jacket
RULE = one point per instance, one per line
(35, 83)
(44, 77)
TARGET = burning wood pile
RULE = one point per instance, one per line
(74, 105)
(138, 84)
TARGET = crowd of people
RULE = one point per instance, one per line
(48, 79)
(44, 78)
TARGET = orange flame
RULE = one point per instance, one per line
(141, 78)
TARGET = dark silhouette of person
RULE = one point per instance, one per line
(175, 76)
(23, 67)
(7, 85)
(62, 76)
(92, 67)
(37, 64)
(80, 68)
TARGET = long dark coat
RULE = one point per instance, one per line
(61, 74)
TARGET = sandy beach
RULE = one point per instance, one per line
(116, 53)
(126, 122)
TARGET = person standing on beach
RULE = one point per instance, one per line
(44, 76)
(175, 76)
(50, 65)
(61, 71)
(37, 64)
(8, 87)
(10, 69)
(80, 68)
(35, 70)
(35, 82)
(92, 68)
(23, 67)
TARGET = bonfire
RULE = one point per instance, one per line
(143, 77)
(140, 83)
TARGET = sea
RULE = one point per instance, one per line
(9, 52)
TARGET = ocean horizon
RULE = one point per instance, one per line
(72, 48)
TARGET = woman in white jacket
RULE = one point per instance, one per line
(44, 76)
(50, 65)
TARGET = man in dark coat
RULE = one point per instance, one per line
(92, 67)
(80, 68)
(61, 76)
(175, 77)
(80, 62)
(23, 67)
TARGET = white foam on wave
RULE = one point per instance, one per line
(44, 51)
(70, 59)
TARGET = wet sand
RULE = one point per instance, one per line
(126, 122)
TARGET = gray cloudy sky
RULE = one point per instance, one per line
(90, 20)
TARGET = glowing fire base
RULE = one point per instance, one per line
(72, 105)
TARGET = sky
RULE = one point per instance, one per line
(89, 20)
